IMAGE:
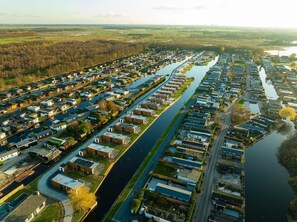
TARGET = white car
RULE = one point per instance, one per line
(142, 209)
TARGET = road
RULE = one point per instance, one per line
(203, 203)
(44, 183)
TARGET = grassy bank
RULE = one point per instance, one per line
(138, 173)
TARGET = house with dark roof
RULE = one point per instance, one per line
(27, 210)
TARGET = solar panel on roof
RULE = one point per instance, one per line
(84, 163)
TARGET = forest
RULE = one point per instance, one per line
(34, 52)
(29, 61)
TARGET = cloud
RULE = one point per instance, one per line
(110, 15)
(18, 15)
(166, 7)
(201, 7)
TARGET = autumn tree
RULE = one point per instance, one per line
(82, 199)
(112, 107)
(103, 105)
(286, 112)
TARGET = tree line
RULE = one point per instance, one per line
(30, 61)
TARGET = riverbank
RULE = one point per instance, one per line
(287, 155)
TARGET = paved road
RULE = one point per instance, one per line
(203, 203)
(44, 182)
(204, 199)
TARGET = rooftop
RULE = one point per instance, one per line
(83, 162)
(67, 181)
(115, 135)
(25, 209)
(100, 148)
(137, 117)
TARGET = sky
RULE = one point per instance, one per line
(251, 13)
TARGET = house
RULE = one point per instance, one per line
(23, 144)
(126, 127)
(160, 215)
(46, 155)
(2, 135)
(185, 162)
(34, 109)
(27, 210)
(47, 103)
(115, 138)
(95, 149)
(143, 111)
(9, 155)
(136, 119)
(174, 192)
(59, 126)
(150, 105)
(43, 134)
(189, 176)
(83, 165)
(56, 141)
(65, 183)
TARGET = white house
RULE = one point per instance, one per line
(33, 108)
(9, 155)
(2, 135)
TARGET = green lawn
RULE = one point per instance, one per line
(53, 212)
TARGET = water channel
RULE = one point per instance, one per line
(267, 190)
(124, 169)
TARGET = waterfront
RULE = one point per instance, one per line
(124, 169)
(286, 51)
(267, 85)
(267, 190)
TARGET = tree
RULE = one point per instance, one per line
(136, 203)
(293, 57)
(112, 107)
(222, 49)
(286, 112)
(103, 105)
(1, 163)
(82, 199)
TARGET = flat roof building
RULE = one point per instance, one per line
(100, 150)
(144, 112)
(115, 138)
(136, 119)
(83, 165)
(173, 192)
(65, 183)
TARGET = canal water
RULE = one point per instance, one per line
(127, 165)
(287, 51)
(269, 89)
(268, 192)
(78, 109)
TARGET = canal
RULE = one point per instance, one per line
(79, 108)
(127, 165)
(268, 192)
(269, 89)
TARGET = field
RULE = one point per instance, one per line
(31, 53)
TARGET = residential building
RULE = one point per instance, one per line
(173, 192)
(115, 138)
(9, 155)
(83, 165)
(27, 210)
(65, 183)
(99, 150)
